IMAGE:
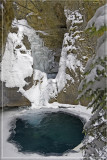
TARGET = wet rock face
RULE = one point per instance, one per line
(11, 97)
(48, 16)
(26, 42)
(45, 16)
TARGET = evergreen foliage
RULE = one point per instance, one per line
(94, 86)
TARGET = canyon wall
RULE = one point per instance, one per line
(48, 19)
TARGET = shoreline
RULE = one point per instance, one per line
(10, 151)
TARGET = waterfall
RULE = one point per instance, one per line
(43, 61)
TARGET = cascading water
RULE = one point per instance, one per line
(18, 59)
(44, 66)
(40, 54)
(47, 133)
(43, 57)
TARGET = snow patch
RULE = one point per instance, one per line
(99, 19)
(38, 93)
(15, 66)
(68, 58)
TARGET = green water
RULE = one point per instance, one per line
(53, 133)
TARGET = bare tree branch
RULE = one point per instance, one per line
(35, 5)
(24, 7)
(26, 3)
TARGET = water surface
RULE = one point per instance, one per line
(46, 133)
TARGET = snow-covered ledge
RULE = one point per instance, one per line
(9, 151)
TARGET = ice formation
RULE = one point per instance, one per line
(15, 66)
(18, 66)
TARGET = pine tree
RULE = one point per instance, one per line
(94, 86)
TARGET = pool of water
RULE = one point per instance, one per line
(51, 133)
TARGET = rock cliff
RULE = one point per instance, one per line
(50, 22)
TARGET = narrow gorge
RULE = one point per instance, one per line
(51, 35)
(53, 79)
